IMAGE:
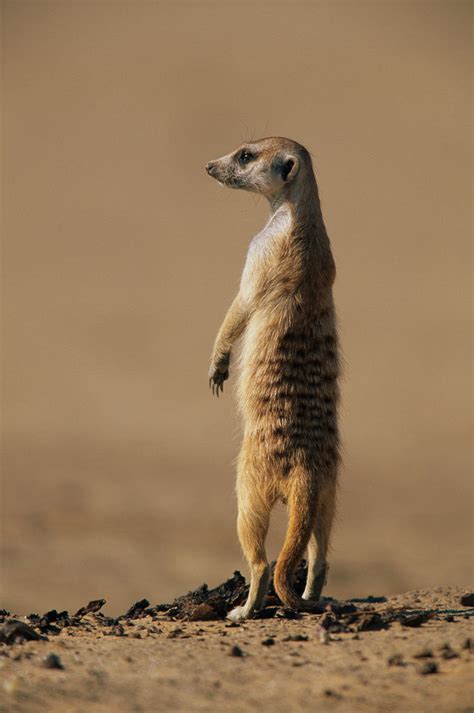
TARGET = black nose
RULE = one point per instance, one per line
(210, 167)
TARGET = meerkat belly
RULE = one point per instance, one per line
(290, 392)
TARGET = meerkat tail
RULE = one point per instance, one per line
(301, 517)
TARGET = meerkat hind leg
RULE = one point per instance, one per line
(317, 571)
(252, 525)
(318, 545)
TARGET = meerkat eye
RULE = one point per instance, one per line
(245, 157)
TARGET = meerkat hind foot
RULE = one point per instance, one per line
(311, 596)
(240, 613)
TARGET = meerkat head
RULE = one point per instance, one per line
(267, 166)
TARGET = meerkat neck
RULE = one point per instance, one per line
(301, 198)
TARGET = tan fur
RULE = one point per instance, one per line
(288, 390)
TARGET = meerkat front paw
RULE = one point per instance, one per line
(239, 614)
(218, 373)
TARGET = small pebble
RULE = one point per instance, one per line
(424, 654)
(268, 642)
(467, 599)
(236, 651)
(467, 644)
(175, 633)
(396, 660)
(52, 661)
(428, 667)
(330, 693)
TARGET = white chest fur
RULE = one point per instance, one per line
(261, 249)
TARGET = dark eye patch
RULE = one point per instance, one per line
(245, 157)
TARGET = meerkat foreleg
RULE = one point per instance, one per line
(232, 327)
(318, 545)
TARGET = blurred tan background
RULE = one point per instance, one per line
(120, 257)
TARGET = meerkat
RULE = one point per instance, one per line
(288, 383)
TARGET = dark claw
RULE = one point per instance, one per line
(216, 381)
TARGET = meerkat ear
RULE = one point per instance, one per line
(287, 167)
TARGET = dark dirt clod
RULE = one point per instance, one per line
(396, 660)
(415, 620)
(53, 661)
(423, 654)
(175, 633)
(202, 612)
(236, 651)
(267, 613)
(51, 622)
(287, 613)
(428, 667)
(447, 652)
(358, 621)
(468, 644)
(339, 608)
(467, 599)
(219, 601)
(117, 630)
(268, 642)
(14, 631)
(94, 606)
(296, 637)
(105, 620)
(328, 620)
(136, 610)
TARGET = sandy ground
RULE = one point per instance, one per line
(163, 665)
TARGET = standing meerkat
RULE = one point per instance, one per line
(288, 385)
